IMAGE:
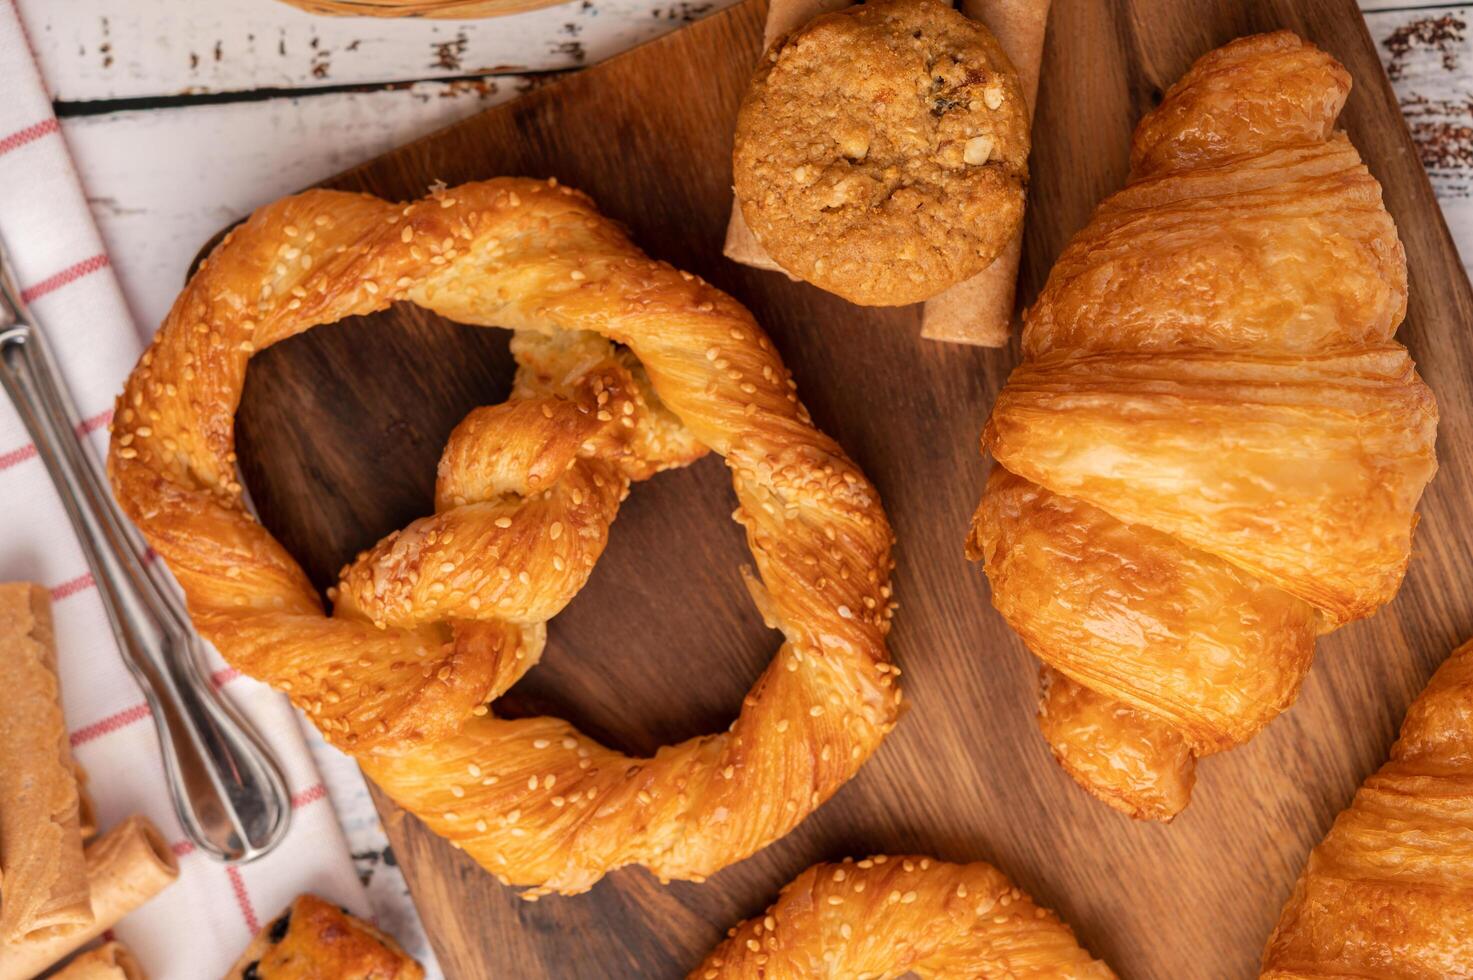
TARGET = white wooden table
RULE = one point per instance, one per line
(185, 115)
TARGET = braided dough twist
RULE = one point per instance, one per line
(1213, 449)
(892, 916)
(439, 618)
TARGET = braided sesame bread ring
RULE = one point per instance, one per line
(439, 618)
(894, 916)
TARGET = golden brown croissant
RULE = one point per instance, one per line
(445, 615)
(1389, 892)
(1213, 449)
(893, 916)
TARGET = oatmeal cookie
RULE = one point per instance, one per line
(882, 151)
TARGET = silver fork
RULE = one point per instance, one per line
(227, 790)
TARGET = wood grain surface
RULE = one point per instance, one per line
(340, 430)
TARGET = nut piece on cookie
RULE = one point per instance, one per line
(882, 151)
(316, 940)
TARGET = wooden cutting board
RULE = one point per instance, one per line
(340, 430)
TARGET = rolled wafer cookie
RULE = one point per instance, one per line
(43, 877)
(979, 310)
(126, 867)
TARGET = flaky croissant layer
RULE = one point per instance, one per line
(1388, 894)
(1213, 449)
(626, 367)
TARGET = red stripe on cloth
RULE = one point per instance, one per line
(68, 275)
(182, 847)
(309, 795)
(72, 587)
(224, 676)
(243, 899)
(86, 426)
(111, 723)
(84, 582)
(7, 460)
(30, 134)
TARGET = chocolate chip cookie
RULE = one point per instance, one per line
(882, 151)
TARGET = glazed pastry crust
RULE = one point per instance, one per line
(1214, 448)
(1318, 461)
(315, 940)
(437, 619)
(1129, 760)
(882, 151)
(1389, 892)
(896, 916)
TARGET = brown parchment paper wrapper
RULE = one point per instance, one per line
(126, 867)
(43, 878)
(110, 961)
(980, 310)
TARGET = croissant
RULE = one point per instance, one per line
(626, 367)
(1389, 892)
(1213, 449)
(894, 916)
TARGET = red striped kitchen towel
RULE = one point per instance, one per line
(199, 925)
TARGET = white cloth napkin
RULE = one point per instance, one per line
(197, 927)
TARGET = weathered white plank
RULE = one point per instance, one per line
(1428, 54)
(102, 49)
(1368, 6)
